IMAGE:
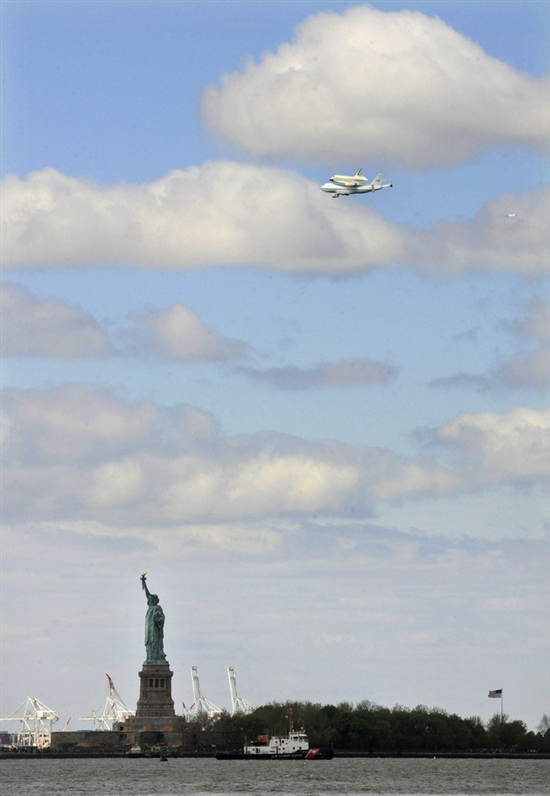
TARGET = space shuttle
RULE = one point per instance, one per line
(344, 185)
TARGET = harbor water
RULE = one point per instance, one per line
(338, 777)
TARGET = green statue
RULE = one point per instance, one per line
(154, 627)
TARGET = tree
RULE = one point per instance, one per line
(371, 728)
(477, 733)
(495, 731)
(515, 734)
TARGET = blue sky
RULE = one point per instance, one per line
(320, 426)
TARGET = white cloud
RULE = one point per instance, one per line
(33, 327)
(401, 87)
(419, 479)
(117, 483)
(50, 328)
(254, 217)
(256, 483)
(481, 451)
(70, 424)
(491, 241)
(179, 333)
(76, 453)
(216, 214)
(513, 447)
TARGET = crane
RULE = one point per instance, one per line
(36, 723)
(113, 710)
(238, 704)
(201, 706)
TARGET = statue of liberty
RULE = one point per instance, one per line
(154, 627)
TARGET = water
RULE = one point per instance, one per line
(339, 777)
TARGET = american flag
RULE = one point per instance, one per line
(496, 694)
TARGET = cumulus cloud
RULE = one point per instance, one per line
(33, 327)
(403, 87)
(347, 373)
(491, 241)
(179, 333)
(81, 454)
(70, 424)
(217, 214)
(51, 328)
(512, 447)
(253, 217)
(419, 479)
(80, 426)
(479, 451)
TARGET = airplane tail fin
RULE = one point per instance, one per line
(377, 180)
(358, 172)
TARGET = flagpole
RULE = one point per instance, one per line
(497, 693)
(502, 718)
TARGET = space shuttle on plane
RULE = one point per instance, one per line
(343, 185)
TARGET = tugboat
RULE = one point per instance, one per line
(294, 746)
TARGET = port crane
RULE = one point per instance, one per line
(201, 706)
(238, 704)
(36, 723)
(112, 711)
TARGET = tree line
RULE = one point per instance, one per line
(369, 728)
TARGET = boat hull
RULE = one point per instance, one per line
(307, 754)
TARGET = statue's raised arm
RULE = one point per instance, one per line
(144, 585)
(154, 627)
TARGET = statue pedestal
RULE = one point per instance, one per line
(155, 707)
(155, 693)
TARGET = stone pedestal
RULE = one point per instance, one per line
(155, 708)
(155, 692)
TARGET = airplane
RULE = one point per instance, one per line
(342, 185)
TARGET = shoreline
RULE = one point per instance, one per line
(337, 755)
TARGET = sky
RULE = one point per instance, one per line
(320, 426)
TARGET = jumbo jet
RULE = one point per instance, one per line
(342, 185)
